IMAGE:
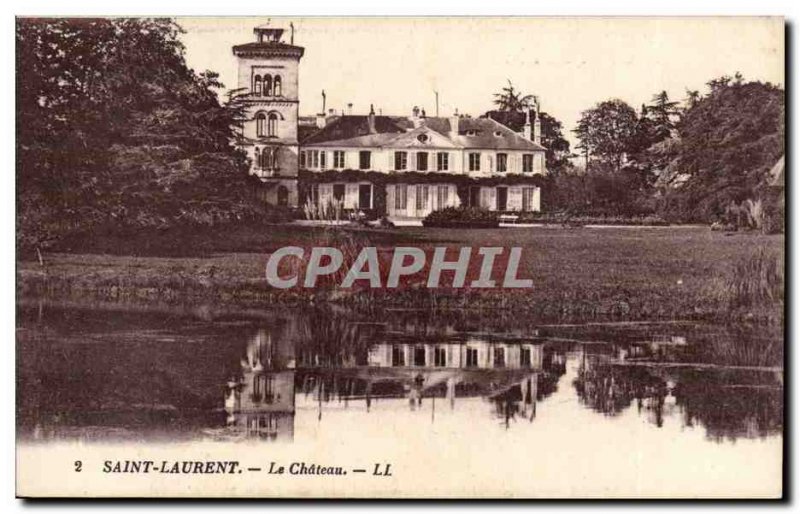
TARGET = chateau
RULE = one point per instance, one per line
(400, 166)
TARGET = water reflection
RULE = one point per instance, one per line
(730, 402)
(378, 365)
(96, 375)
(260, 402)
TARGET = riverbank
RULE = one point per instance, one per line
(642, 273)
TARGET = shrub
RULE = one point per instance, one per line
(467, 217)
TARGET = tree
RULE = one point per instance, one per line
(512, 107)
(512, 100)
(114, 130)
(727, 142)
(664, 114)
(692, 97)
(608, 131)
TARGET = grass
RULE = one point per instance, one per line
(626, 273)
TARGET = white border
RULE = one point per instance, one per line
(787, 8)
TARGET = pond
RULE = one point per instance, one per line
(480, 388)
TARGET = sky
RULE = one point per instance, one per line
(571, 64)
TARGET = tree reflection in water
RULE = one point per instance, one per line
(727, 403)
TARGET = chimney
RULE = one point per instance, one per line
(526, 130)
(321, 120)
(537, 127)
(349, 109)
(415, 121)
(454, 124)
(371, 119)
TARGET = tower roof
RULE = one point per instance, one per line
(268, 44)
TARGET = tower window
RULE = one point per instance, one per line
(257, 85)
(272, 129)
(267, 85)
(267, 158)
(261, 124)
(276, 86)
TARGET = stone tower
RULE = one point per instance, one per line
(268, 76)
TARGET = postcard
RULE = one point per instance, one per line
(367, 257)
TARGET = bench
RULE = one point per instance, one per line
(508, 218)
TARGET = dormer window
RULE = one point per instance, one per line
(472, 132)
(423, 138)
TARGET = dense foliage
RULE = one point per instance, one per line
(725, 146)
(467, 217)
(114, 131)
(705, 160)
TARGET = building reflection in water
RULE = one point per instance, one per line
(260, 403)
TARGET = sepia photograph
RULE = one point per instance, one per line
(400, 257)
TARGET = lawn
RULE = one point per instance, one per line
(636, 273)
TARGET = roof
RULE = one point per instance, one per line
(304, 131)
(269, 48)
(348, 128)
(484, 133)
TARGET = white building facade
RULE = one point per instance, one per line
(398, 166)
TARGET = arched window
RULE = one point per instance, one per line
(257, 85)
(258, 158)
(276, 85)
(272, 128)
(267, 85)
(261, 124)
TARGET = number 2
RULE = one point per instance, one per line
(78, 465)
